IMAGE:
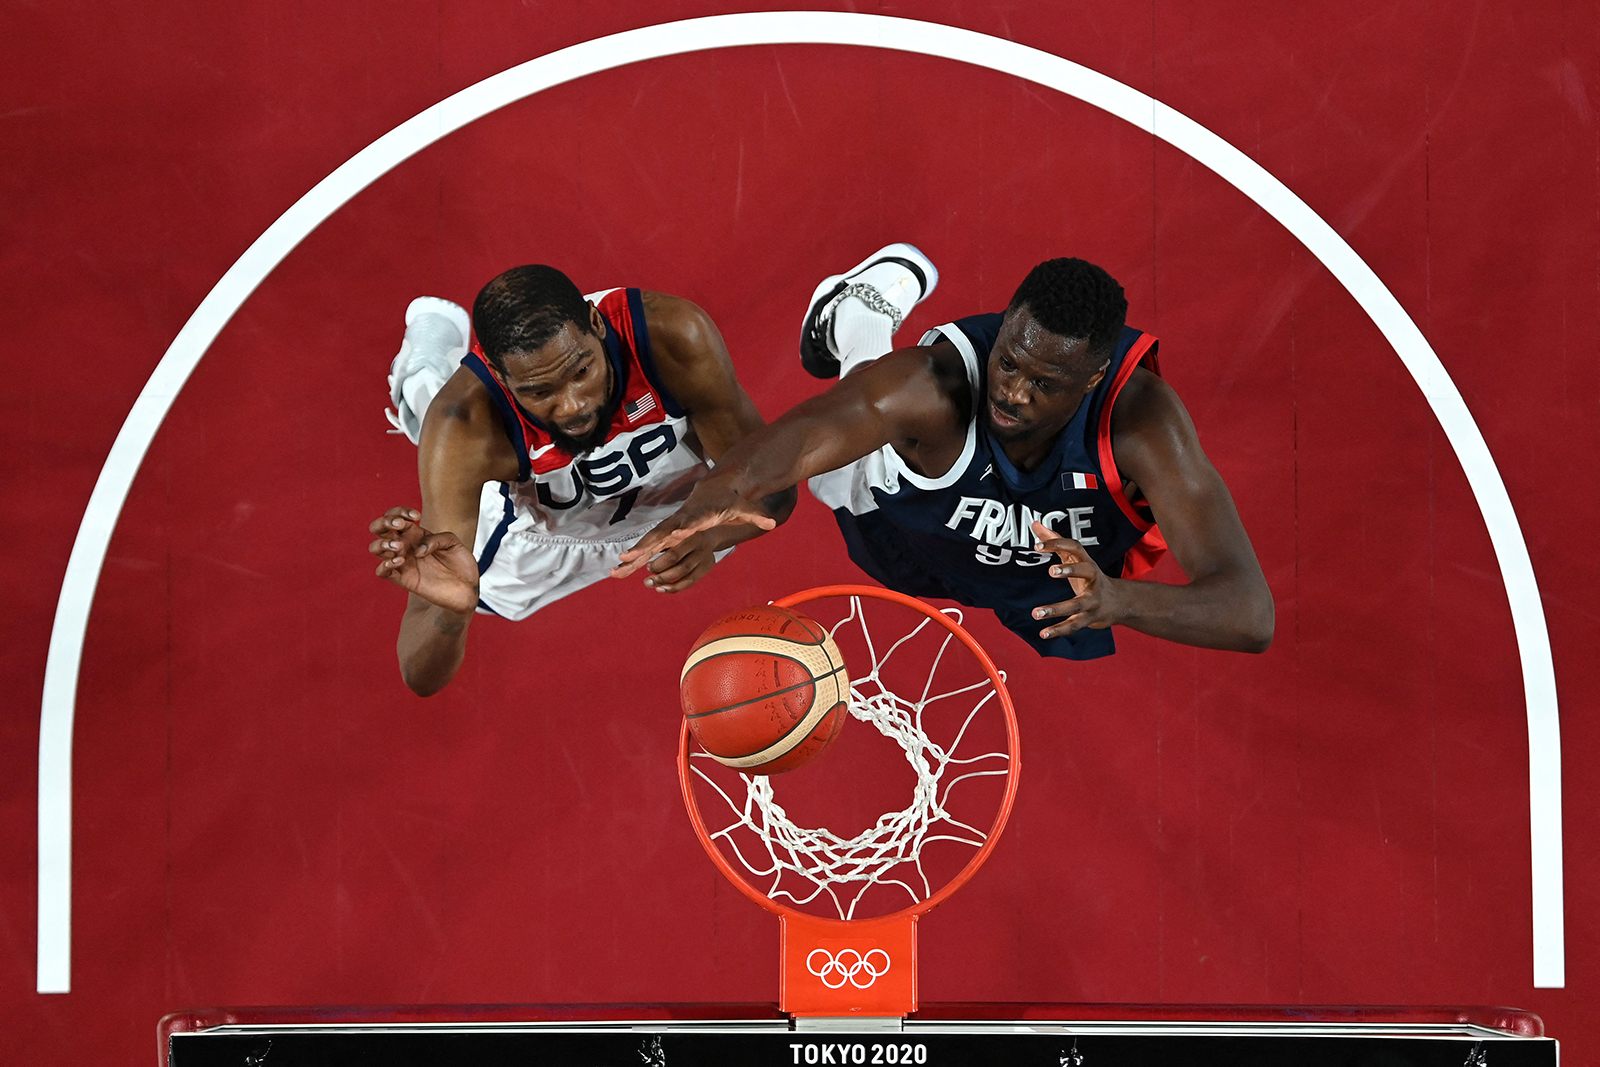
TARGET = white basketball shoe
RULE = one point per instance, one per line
(437, 335)
(890, 282)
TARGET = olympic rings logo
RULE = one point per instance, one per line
(848, 966)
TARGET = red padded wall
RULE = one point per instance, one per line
(264, 815)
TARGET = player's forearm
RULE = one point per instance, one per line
(818, 435)
(1232, 612)
(433, 642)
(767, 462)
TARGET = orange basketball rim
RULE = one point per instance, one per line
(847, 966)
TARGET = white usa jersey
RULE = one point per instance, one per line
(564, 522)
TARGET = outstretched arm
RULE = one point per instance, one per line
(429, 553)
(440, 574)
(907, 399)
(694, 364)
(1226, 603)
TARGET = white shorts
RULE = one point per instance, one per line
(528, 569)
(532, 570)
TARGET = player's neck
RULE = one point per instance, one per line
(1027, 453)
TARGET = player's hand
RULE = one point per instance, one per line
(435, 566)
(1094, 593)
(708, 507)
(675, 569)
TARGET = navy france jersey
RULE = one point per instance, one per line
(967, 534)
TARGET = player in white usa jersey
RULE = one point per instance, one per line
(571, 426)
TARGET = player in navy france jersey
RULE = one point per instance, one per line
(553, 429)
(1031, 462)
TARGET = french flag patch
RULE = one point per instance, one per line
(1077, 480)
(638, 409)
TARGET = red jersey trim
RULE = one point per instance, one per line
(1146, 552)
(1108, 461)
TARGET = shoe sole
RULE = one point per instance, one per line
(814, 355)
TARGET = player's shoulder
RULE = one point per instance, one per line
(461, 403)
(462, 431)
(688, 351)
(944, 364)
(1147, 393)
(679, 328)
(1148, 416)
(923, 389)
(938, 367)
(667, 306)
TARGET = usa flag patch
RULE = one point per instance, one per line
(1077, 480)
(638, 409)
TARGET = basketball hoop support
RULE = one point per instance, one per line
(860, 968)
(839, 967)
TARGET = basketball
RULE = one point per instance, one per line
(764, 689)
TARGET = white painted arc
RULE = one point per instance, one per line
(771, 28)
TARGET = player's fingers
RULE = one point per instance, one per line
(389, 568)
(1064, 609)
(434, 544)
(622, 570)
(671, 574)
(1048, 537)
(759, 519)
(678, 528)
(1060, 544)
(1085, 569)
(692, 570)
(739, 514)
(383, 546)
(1072, 625)
(632, 559)
(398, 545)
(409, 532)
(667, 558)
(396, 518)
(648, 546)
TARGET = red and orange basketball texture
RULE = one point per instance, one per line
(765, 689)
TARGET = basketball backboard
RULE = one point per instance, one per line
(940, 1035)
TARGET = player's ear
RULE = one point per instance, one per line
(1101, 373)
(597, 322)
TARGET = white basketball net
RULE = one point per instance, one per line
(799, 863)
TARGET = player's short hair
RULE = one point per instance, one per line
(525, 307)
(1075, 298)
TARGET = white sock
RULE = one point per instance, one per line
(862, 333)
